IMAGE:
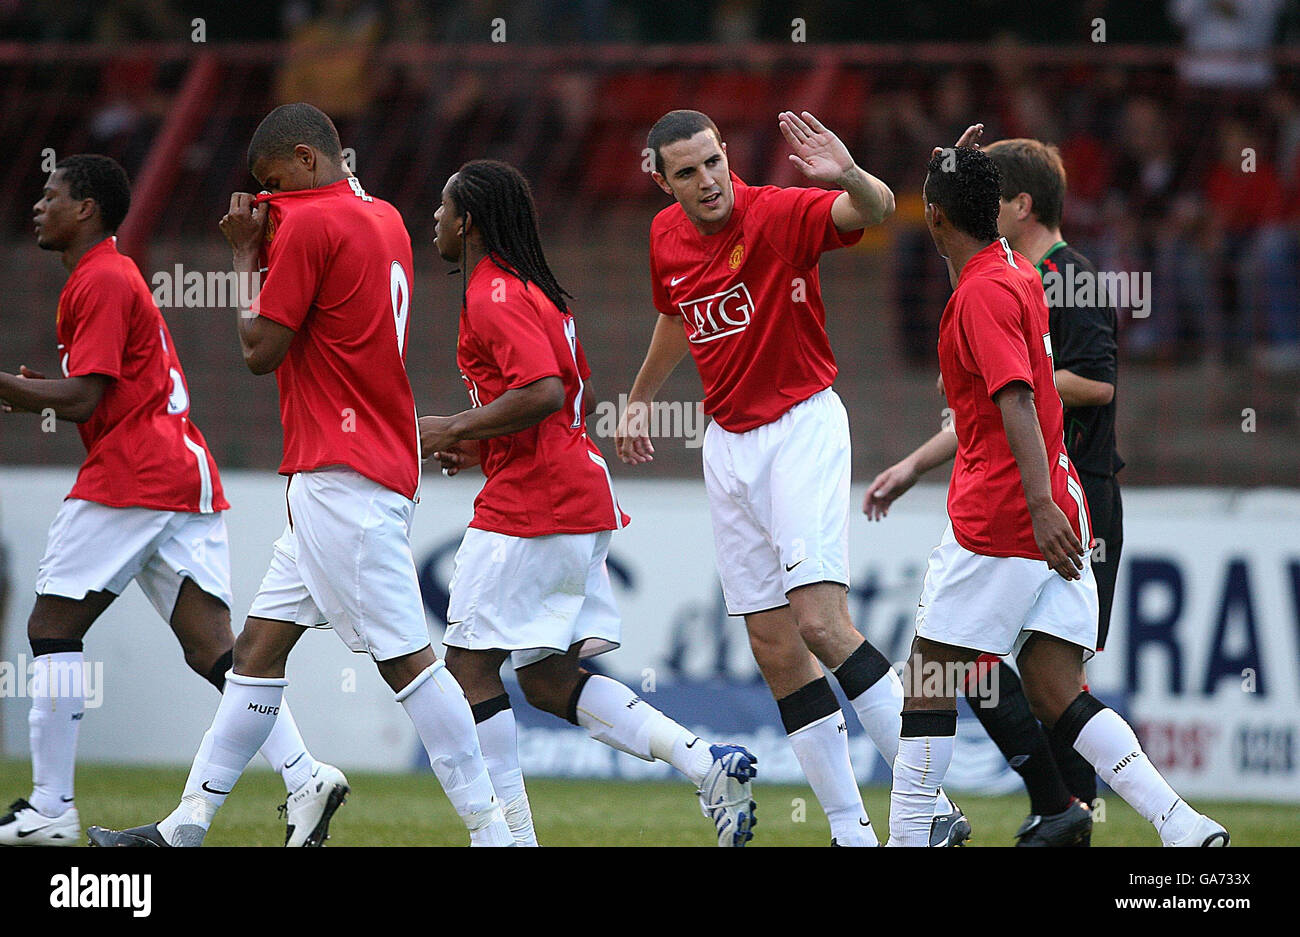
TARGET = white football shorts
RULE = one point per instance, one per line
(96, 548)
(779, 498)
(532, 596)
(994, 603)
(345, 560)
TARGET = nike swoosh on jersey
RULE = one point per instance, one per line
(675, 280)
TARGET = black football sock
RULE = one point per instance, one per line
(1079, 776)
(1022, 741)
(217, 675)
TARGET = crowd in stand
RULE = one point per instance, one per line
(1188, 171)
(648, 20)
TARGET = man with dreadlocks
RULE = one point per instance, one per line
(530, 581)
(330, 320)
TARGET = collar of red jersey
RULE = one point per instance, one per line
(107, 245)
(495, 263)
(265, 196)
(992, 252)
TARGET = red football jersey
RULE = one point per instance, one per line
(142, 450)
(549, 478)
(339, 274)
(994, 331)
(750, 299)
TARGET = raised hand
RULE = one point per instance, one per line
(819, 154)
(970, 138)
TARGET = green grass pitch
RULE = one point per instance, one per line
(411, 810)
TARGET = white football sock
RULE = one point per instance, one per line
(880, 710)
(919, 769)
(287, 752)
(499, 738)
(613, 714)
(247, 713)
(822, 748)
(438, 708)
(58, 704)
(1109, 745)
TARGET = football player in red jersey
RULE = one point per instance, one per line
(1013, 572)
(331, 321)
(147, 505)
(734, 274)
(530, 581)
(1061, 783)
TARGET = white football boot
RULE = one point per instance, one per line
(308, 810)
(1204, 832)
(24, 825)
(726, 797)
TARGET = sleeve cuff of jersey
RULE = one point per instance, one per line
(1103, 375)
(278, 318)
(525, 381)
(1009, 379)
(672, 311)
(848, 238)
(102, 372)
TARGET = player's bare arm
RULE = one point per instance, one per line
(1052, 531)
(515, 410)
(894, 481)
(823, 158)
(1077, 391)
(264, 343)
(668, 346)
(73, 398)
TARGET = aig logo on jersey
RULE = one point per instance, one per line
(718, 315)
